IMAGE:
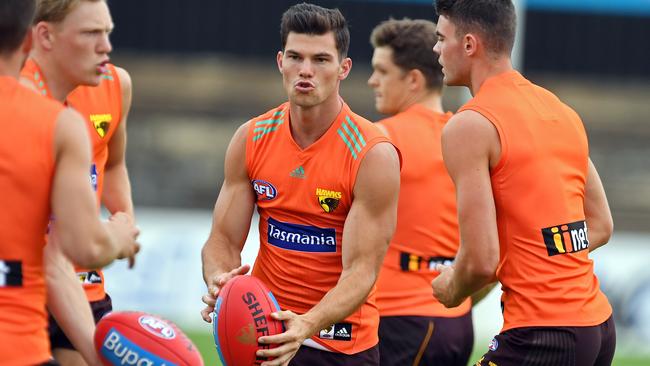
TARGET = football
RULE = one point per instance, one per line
(137, 338)
(242, 315)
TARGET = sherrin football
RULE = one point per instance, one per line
(242, 315)
(141, 339)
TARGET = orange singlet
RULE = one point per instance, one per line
(539, 190)
(101, 107)
(26, 171)
(303, 198)
(427, 225)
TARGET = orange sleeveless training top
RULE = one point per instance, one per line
(102, 108)
(26, 171)
(427, 224)
(539, 190)
(303, 198)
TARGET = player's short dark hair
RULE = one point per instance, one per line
(313, 19)
(412, 43)
(15, 20)
(494, 20)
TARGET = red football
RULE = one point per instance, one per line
(242, 315)
(137, 338)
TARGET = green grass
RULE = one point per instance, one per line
(205, 344)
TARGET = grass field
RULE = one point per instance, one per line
(205, 343)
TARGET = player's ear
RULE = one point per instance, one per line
(344, 68)
(470, 44)
(43, 36)
(279, 60)
(415, 79)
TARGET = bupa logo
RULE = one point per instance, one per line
(566, 238)
(157, 327)
(265, 190)
(119, 350)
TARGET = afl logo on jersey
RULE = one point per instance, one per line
(265, 190)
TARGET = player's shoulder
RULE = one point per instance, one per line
(276, 113)
(267, 123)
(357, 119)
(27, 94)
(123, 77)
(467, 119)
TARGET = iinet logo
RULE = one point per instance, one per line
(566, 238)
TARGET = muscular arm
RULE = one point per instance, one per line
(117, 188)
(598, 216)
(67, 302)
(231, 219)
(82, 237)
(369, 226)
(469, 167)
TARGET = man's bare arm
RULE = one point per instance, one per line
(469, 167)
(83, 238)
(67, 302)
(597, 214)
(231, 221)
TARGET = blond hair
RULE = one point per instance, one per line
(55, 10)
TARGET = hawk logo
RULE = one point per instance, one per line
(328, 200)
(102, 123)
(327, 333)
(247, 335)
(566, 238)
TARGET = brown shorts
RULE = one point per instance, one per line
(553, 346)
(58, 339)
(308, 356)
(421, 340)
